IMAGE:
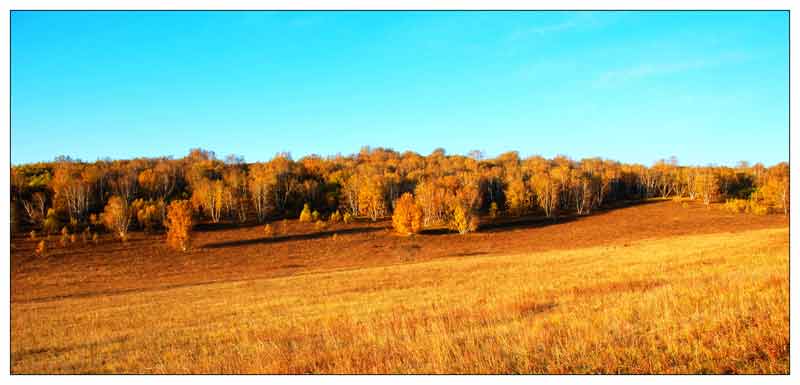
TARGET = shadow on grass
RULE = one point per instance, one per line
(539, 220)
(293, 237)
(211, 226)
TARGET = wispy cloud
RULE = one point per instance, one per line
(650, 69)
(576, 20)
(647, 70)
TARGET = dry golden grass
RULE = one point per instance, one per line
(713, 303)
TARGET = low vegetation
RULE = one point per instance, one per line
(712, 303)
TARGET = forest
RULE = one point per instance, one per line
(420, 192)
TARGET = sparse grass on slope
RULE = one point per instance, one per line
(713, 303)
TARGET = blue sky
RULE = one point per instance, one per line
(707, 87)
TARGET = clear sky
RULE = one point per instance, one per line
(707, 87)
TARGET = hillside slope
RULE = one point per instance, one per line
(709, 303)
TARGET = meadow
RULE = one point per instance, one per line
(650, 288)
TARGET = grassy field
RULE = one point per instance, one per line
(695, 303)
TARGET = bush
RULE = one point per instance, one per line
(758, 208)
(51, 222)
(737, 205)
(315, 215)
(347, 218)
(336, 217)
(117, 217)
(41, 248)
(463, 220)
(64, 236)
(32, 235)
(305, 215)
(268, 230)
(751, 206)
(149, 214)
(493, 211)
(320, 224)
(179, 224)
(407, 217)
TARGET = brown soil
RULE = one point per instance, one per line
(223, 252)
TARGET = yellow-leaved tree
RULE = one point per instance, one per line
(407, 217)
(305, 215)
(179, 224)
(117, 217)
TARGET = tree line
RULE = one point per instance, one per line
(430, 191)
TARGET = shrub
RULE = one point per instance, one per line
(64, 236)
(758, 208)
(51, 222)
(320, 224)
(737, 205)
(179, 224)
(493, 210)
(305, 215)
(268, 230)
(336, 217)
(150, 214)
(285, 226)
(347, 218)
(73, 238)
(117, 217)
(95, 238)
(32, 235)
(463, 220)
(407, 217)
(752, 206)
(41, 248)
(315, 215)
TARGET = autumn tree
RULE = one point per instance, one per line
(260, 183)
(179, 224)
(286, 182)
(305, 215)
(149, 214)
(582, 188)
(125, 182)
(208, 196)
(706, 185)
(775, 189)
(371, 202)
(463, 220)
(71, 190)
(117, 217)
(547, 192)
(235, 193)
(36, 208)
(432, 198)
(518, 195)
(407, 217)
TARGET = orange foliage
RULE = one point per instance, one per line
(407, 217)
(179, 224)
